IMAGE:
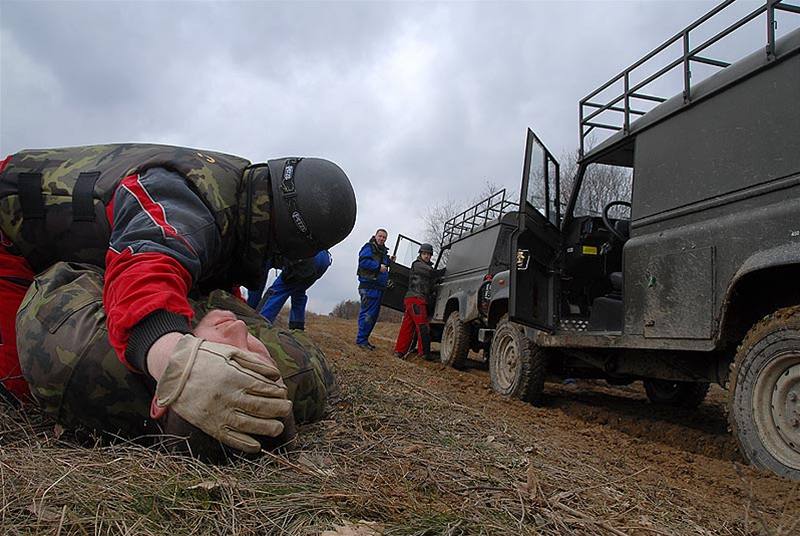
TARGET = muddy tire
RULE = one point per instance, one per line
(764, 404)
(454, 348)
(516, 365)
(676, 394)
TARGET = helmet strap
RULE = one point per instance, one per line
(289, 194)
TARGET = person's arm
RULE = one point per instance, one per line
(163, 237)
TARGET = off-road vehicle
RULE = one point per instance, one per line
(700, 282)
(475, 245)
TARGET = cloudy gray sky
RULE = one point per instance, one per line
(418, 102)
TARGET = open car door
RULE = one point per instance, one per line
(405, 251)
(537, 240)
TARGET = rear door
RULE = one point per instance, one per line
(537, 240)
(405, 251)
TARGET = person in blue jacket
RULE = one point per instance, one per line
(295, 279)
(373, 274)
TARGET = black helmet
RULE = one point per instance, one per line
(292, 208)
(313, 206)
(426, 248)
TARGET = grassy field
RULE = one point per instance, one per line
(411, 448)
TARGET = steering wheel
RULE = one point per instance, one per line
(606, 221)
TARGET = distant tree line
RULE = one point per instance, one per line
(348, 309)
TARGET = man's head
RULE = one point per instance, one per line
(426, 252)
(380, 236)
(293, 207)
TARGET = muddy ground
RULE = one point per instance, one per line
(415, 448)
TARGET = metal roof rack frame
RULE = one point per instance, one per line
(589, 110)
(477, 217)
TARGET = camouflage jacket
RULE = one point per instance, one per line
(162, 220)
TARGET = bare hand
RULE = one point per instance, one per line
(384, 268)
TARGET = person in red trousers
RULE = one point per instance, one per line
(415, 318)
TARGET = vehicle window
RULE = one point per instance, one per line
(543, 182)
(406, 250)
(601, 185)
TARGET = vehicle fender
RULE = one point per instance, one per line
(787, 254)
(466, 310)
(501, 285)
(500, 291)
(782, 255)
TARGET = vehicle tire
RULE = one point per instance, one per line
(676, 394)
(764, 404)
(516, 365)
(454, 348)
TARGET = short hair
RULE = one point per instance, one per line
(384, 230)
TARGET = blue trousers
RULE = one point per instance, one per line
(368, 316)
(277, 295)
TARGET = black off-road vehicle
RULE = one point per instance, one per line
(475, 245)
(700, 281)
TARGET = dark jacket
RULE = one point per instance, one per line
(304, 273)
(370, 259)
(422, 279)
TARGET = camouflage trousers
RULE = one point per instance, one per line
(77, 378)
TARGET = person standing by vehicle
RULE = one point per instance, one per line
(419, 295)
(293, 282)
(373, 274)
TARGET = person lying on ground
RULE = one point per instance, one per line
(109, 253)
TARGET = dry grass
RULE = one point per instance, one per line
(397, 450)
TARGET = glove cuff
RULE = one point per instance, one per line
(175, 376)
(149, 330)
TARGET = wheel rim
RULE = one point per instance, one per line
(448, 341)
(776, 408)
(506, 358)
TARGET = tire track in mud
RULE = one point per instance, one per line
(681, 457)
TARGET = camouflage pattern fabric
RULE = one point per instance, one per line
(302, 363)
(78, 379)
(57, 235)
(67, 360)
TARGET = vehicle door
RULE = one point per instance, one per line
(536, 241)
(405, 252)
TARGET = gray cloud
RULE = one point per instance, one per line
(418, 102)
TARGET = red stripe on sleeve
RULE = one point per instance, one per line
(151, 207)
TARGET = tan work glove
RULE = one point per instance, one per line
(228, 393)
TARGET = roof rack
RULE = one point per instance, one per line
(477, 216)
(633, 98)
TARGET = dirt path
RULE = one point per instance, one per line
(603, 451)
